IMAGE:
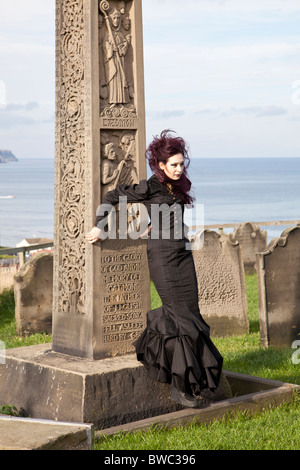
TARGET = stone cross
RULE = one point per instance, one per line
(101, 293)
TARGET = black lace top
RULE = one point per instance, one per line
(165, 209)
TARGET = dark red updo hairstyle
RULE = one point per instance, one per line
(160, 150)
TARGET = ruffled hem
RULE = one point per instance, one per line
(188, 365)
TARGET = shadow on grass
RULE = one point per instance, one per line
(271, 363)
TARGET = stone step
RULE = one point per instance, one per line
(38, 434)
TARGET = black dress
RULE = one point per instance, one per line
(175, 347)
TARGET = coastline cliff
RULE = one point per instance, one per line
(7, 156)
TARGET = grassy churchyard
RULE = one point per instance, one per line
(274, 428)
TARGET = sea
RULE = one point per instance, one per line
(228, 190)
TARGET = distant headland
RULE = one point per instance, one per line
(7, 156)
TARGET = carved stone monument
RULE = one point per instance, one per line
(101, 293)
(278, 272)
(251, 240)
(221, 284)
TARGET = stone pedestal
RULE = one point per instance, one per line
(55, 386)
(106, 393)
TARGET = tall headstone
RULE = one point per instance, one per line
(101, 293)
(221, 284)
(33, 287)
(278, 273)
(251, 240)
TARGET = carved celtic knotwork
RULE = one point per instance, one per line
(71, 245)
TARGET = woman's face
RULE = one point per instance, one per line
(174, 166)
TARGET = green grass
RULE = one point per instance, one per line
(276, 428)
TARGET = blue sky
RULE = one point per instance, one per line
(224, 74)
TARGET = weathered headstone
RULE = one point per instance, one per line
(278, 269)
(33, 286)
(221, 284)
(101, 293)
(251, 240)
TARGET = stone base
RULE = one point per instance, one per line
(34, 434)
(108, 392)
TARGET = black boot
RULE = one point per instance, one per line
(183, 398)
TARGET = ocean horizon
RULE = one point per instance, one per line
(231, 190)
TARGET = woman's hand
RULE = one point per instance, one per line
(146, 233)
(94, 235)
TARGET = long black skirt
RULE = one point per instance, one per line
(176, 347)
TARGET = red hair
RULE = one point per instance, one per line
(160, 150)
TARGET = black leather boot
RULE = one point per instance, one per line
(183, 398)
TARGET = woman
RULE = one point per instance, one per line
(175, 347)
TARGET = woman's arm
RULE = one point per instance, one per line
(136, 193)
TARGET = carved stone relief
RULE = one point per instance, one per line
(118, 163)
(116, 58)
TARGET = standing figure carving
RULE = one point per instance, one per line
(110, 167)
(118, 169)
(115, 47)
(129, 172)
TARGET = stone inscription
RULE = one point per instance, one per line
(119, 123)
(123, 318)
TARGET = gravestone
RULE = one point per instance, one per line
(278, 270)
(101, 293)
(221, 284)
(251, 240)
(33, 286)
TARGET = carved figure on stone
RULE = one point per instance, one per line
(128, 173)
(110, 167)
(103, 87)
(116, 57)
(115, 47)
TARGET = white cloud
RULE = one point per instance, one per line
(212, 68)
(15, 11)
(164, 9)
